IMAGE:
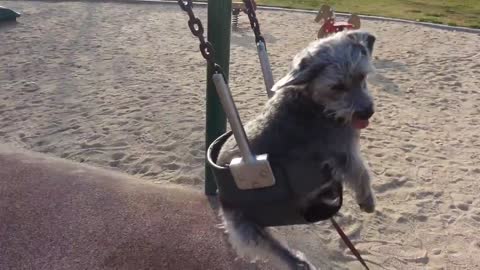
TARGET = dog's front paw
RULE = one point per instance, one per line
(368, 205)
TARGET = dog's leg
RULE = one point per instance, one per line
(358, 178)
(255, 242)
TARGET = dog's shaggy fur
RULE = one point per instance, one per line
(313, 120)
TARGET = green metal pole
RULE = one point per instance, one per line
(219, 27)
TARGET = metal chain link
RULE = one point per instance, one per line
(252, 16)
(206, 48)
(196, 27)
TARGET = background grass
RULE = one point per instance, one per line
(452, 12)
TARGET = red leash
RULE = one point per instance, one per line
(349, 244)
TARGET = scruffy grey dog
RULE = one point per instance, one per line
(313, 120)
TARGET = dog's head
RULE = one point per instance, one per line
(332, 72)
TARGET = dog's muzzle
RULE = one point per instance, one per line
(360, 118)
(364, 114)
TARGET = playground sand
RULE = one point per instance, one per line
(122, 86)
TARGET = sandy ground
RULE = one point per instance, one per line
(122, 86)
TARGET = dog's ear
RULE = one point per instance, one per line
(370, 42)
(305, 70)
(364, 38)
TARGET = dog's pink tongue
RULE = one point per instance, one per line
(359, 123)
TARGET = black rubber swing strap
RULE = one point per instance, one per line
(348, 243)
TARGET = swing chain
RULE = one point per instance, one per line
(196, 27)
(252, 17)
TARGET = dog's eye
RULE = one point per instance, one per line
(339, 87)
(361, 77)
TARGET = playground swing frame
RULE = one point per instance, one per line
(219, 32)
(264, 190)
(276, 209)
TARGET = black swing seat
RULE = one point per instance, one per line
(276, 205)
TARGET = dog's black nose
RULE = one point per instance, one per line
(365, 114)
